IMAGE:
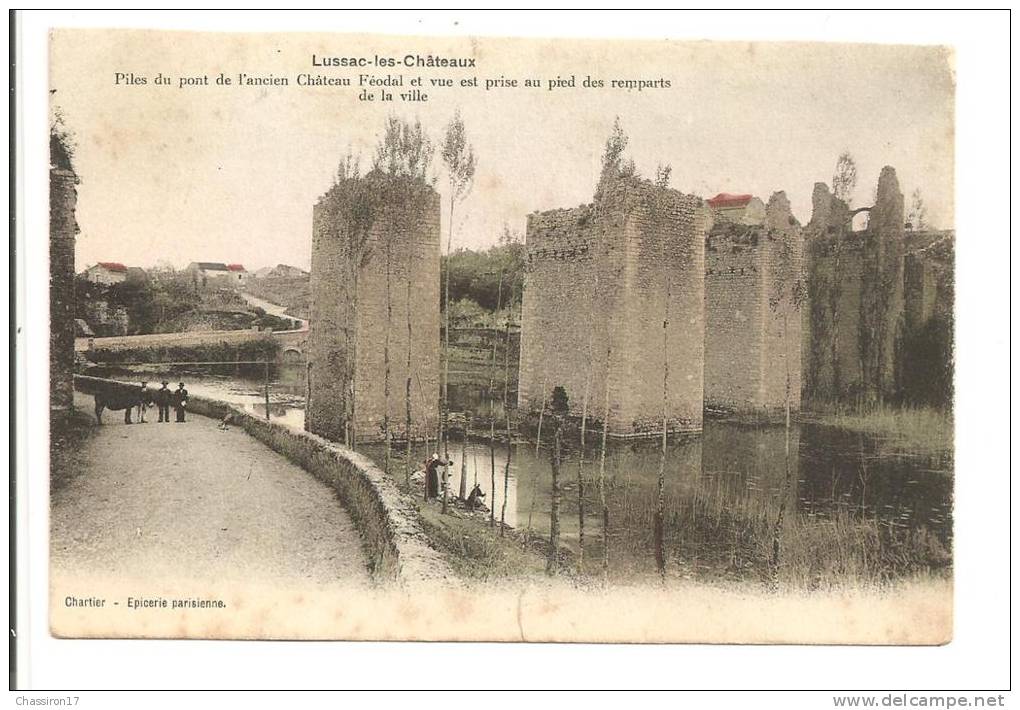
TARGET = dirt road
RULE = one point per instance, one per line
(171, 501)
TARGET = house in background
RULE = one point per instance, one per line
(106, 273)
(214, 274)
(739, 209)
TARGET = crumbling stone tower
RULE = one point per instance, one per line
(364, 229)
(602, 279)
(753, 295)
(855, 297)
(63, 231)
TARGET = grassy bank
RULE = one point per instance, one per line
(713, 536)
(475, 549)
(910, 429)
(68, 432)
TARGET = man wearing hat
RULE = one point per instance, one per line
(180, 401)
(162, 398)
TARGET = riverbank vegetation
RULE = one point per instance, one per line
(476, 551)
(922, 430)
(476, 297)
(712, 539)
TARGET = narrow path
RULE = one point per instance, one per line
(273, 309)
(171, 501)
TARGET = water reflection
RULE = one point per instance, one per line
(845, 500)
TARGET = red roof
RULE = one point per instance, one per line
(235, 267)
(725, 199)
(112, 266)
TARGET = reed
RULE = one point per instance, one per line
(914, 429)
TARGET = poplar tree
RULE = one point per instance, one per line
(459, 158)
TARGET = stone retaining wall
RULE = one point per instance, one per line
(391, 531)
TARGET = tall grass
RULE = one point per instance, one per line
(916, 429)
(716, 531)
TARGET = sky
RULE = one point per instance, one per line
(230, 173)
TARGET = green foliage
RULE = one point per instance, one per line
(150, 304)
(459, 158)
(927, 379)
(844, 179)
(663, 174)
(466, 313)
(917, 216)
(475, 275)
(613, 164)
(404, 151)
(62, 144)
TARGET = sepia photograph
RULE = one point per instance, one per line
(500, 339)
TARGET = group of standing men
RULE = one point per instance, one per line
(163, 399)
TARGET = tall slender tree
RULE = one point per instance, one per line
(917, 216)
(492, 412)
(459, 158)
(506, 412)
(787, 295)
(844, 182)
(614, 168)
(558, 410)
(662, 182)
(602, 464)
(844, 178)
(408, 434)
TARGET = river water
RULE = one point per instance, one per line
(855, 505)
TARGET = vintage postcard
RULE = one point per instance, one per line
(440, 338)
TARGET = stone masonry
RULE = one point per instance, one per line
(360, 227)
(63, 230)
(601, 281)
(752, 323)
(855, 311)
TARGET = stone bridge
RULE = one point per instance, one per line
(291, 352)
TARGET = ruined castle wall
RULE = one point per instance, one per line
(326, 337)
(882, 291)
(557, 309)
(665, 248)
(919, 289)
(837, 292)
(753, 285)
(734, 319)
(928, 278)
(412, 259)
(598, 277)
(834, 271)
(855, 298)
(63, 229)
(781, 331)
